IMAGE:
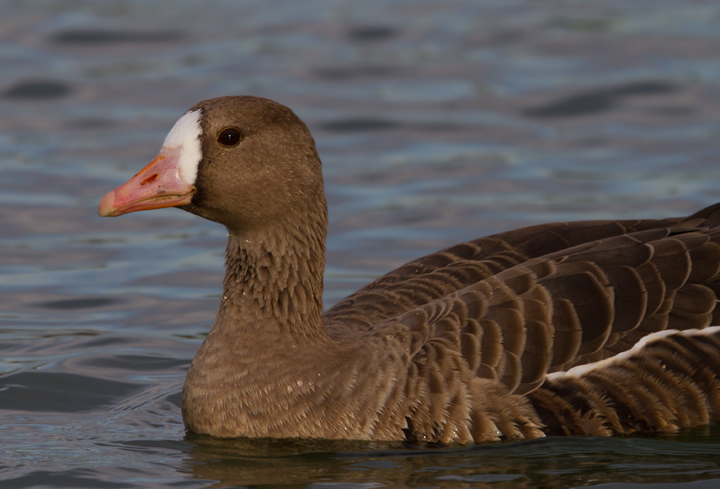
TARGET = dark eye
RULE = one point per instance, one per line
(229, 136)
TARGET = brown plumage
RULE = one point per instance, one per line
(580, 328)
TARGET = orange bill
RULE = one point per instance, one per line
(156, 186)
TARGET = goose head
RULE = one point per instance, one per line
(245, 162)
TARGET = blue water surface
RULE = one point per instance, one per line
(437, 121)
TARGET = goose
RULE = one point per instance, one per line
(594, 328)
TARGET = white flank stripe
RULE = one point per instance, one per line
(581, 370)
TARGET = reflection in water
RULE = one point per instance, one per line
(60, 392)
(371, 33)
(553, 462)
(598, 100)
(37, 90)
(84, 303)
(97, 36)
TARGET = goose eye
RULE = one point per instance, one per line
(229, 136)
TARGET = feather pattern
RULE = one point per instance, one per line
(578, 328)
(586, 328)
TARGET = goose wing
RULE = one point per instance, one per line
(520, 308)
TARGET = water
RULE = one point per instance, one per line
(437, 121)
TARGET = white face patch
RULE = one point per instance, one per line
(186, 134)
